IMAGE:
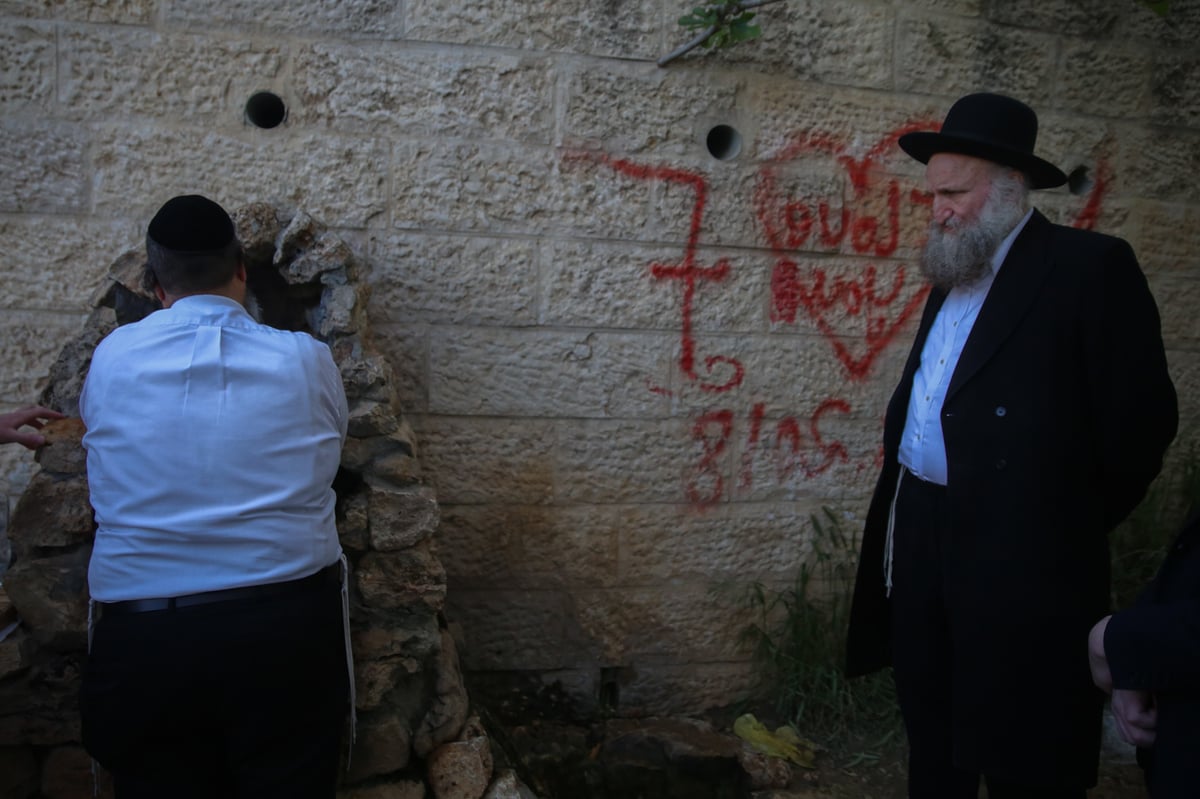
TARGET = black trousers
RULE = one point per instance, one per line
(923, 653)
(237, 699)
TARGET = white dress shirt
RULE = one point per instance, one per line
(212, 443)
(922, 446)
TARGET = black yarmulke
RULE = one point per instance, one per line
(191, 223)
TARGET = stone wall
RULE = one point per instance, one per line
(634, 369)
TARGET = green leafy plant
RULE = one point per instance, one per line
(719, 24)
(730, 23)
(798, 639)
(1160, 7)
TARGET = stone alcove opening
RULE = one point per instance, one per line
(411, 701)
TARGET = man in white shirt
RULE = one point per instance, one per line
(1033, 412)
(218, 665)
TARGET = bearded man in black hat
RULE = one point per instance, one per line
(1032, 414)
(220, 662)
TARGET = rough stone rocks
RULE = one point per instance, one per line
(70, 368)
(383, 747)
(51, 596)
(462, 769)
(395, 580)
(508, 785)
(765, 772)
(54, 512)
(63, 452)
(257, 229)
(400, 519)
(448, 711)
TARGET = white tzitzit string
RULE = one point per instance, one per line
(349, 657)
(91, 627)
(890, 545)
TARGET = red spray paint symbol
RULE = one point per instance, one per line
(688, 272)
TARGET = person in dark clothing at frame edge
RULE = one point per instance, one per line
(1033, 412)
(1148, 658)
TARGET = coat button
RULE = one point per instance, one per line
(1000, 464)
(1001, 410)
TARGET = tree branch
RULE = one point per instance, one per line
(694, 43)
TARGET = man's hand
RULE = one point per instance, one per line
(1136, 716)
(1096, 657)
(34, 416)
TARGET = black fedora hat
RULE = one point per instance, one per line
(989, 126)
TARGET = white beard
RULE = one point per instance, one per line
(961, 254)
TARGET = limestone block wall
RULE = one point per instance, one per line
(634, 368)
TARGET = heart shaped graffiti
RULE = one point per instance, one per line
(877, 300)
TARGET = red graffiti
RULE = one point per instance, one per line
(707, 485)
(756, 420)
(797, 449)
(791, 450)
(884, 306)
(1090, 213)
(877, 300)
(795, 458)
(687, 271)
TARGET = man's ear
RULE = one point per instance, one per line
(162, 295)
(240, 274)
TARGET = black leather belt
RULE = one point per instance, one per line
(330, 574)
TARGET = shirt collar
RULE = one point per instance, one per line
(204, 307)
(206, 301)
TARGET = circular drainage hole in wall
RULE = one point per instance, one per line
(723, 142)
(265, 110)
(1079, 181)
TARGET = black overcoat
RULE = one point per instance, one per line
(1155, 646)
(1055, 422)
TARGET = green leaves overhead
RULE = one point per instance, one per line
(730, 22)
(701, 17)
(720, 23)
(738, 30)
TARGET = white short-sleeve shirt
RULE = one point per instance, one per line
(212, 444)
